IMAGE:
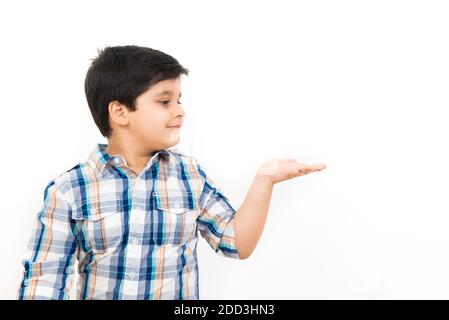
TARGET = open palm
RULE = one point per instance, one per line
(278, 170)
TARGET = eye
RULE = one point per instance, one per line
(166, 102)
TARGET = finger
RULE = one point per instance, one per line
(314, 166)
(318, 166)
(301, 168)
(304, 168)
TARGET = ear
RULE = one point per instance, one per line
(118, 113)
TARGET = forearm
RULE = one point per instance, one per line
(50, 279)
(250, 218)
(40, 290)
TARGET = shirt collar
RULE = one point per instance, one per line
(99, 158)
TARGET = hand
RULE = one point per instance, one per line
(278, 170)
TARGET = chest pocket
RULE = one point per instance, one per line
(174, 217)
(103, 223)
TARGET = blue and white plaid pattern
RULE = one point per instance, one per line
(135, 237)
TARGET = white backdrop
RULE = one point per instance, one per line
(361, 86)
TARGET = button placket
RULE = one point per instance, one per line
(132, 272)
(134, 249)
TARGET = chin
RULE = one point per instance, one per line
(170, 144)
(173, 139)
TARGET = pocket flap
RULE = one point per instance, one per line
(97, 209)
(175, 201)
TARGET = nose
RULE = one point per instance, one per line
(180, 112)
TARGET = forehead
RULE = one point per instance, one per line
(166, 87)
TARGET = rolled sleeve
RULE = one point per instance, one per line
(48, 261)
(216, 220)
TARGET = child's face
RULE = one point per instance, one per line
(155, 112)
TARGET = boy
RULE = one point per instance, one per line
(130, 213)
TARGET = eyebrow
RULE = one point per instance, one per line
(167, 92)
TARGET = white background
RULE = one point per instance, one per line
(361, 86)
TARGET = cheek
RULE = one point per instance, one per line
(150, 122)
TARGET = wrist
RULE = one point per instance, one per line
(264, 179)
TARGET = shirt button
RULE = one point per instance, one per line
(132, 275)
(135, 242)
(177, 205)
(93, 210)
(116, 160)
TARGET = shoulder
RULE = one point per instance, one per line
(194, 166)
(62, 182)
(190, 163)
(183, 157)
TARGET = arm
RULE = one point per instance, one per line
(48, 262)
(250, 218)
(216, 220)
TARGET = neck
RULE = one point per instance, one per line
(135, 158)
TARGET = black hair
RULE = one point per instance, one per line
(122, 73)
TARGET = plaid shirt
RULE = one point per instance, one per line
(135, 237)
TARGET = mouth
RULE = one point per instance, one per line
(174, 127)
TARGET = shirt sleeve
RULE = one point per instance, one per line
(216, 220)
(48, 261)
